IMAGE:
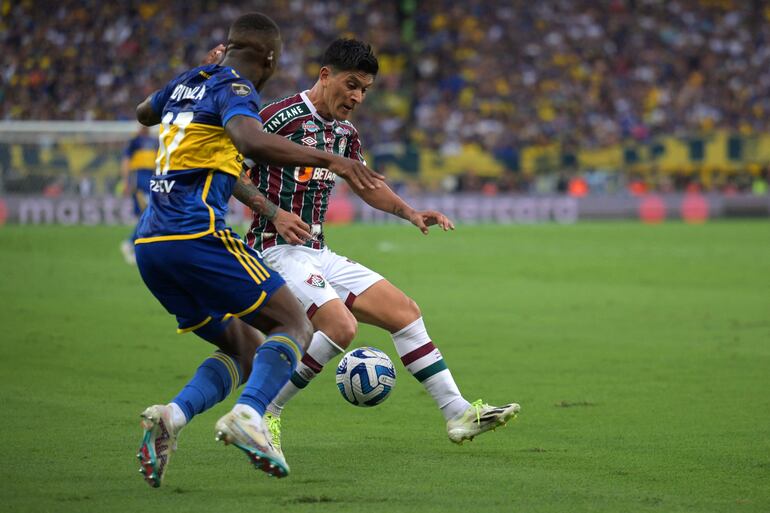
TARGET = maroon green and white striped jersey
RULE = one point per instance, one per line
(302, 190)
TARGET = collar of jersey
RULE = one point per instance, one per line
(312, 108)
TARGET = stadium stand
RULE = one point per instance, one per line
(517, 95)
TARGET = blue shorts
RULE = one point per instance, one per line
(141, 190)
(207, 281)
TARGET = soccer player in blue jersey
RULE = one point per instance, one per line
(198, 269)
(136, 168)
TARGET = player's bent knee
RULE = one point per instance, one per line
(304, 332)
(337, 322)
(343, 331)
(404, 316)
(413, 309)
(350, 330)
(299, 328)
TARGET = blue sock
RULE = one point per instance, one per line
(217, 376)
(274, 363)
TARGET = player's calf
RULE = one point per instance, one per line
(283, 314)
(321, 350)
(335, 329)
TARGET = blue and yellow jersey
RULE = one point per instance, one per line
(197, 163)
(141, 152)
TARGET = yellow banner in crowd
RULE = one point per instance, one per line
(712, 154)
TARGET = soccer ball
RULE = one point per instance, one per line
(365, 376)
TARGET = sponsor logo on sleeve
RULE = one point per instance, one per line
(241, 89)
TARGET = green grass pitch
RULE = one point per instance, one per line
(640, 356)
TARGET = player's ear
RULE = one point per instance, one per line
(323, 75)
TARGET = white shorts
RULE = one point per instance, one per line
(316, 276)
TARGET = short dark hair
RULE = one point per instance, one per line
(350, 55)
(255, 22)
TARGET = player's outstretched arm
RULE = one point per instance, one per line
(251, 141)
(388, 201)
(288, 225)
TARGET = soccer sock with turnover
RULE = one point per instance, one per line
(424, 361)
(216, 377)
(274, 363)
(321, 350)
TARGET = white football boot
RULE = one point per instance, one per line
(479, 418)
(158, 443)
(249, 434)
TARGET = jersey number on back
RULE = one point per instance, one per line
(171, 134)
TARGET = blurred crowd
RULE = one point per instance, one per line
(497, 74)
(95, 60)
(589, 72)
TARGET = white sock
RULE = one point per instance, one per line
(177, 416)
(321, 350)
(424, 361)
(246, 410)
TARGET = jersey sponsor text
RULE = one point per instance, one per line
(163, 186)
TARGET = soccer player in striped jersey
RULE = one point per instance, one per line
(198, 269)
(336, 292)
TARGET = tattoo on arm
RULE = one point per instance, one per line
(270, 210)
(245, 192)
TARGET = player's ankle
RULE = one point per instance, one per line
(178, 418)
